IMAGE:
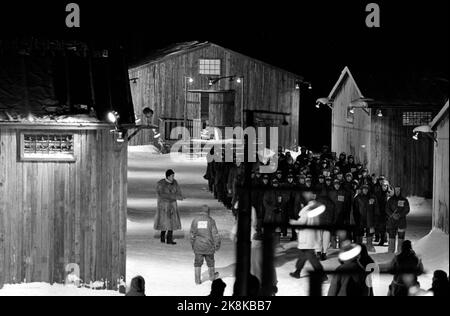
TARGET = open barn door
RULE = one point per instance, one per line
(221, 109)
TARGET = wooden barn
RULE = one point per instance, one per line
(201, 83)
(440, 126)
(373, 116)
(63, 173)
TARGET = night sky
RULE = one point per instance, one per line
(315, 39)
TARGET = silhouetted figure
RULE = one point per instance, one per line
(440, 286)
(137, 287)
(217, 288)
(406, 267)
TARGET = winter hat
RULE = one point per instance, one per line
(328, 179)
(349, 174)
(365, 186)
(336, 181)
(169, 173)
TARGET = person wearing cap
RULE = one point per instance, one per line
(365, 210)
(324, 169)
(320, 186)
(396, 210)
(380, 228)
(326, 154)
(205, 242)
(302, 159)
(342, 162)
(335, 171)
(291, 188)
(357, 172)
(377, 186)
(351, 166)
(342, 200)
(308, 239)
(340, 177)
(347, 185)
(276, 203)
(329, 183)
(167, 218)
(308, 183)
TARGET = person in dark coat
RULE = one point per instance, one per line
(137, 287)
(396, 210)
(365, 209)
(276, 208)
(351, 166)
(329, 183)
(406, 267)
(342, 201)
(261, 190)
(167, 218)
(351, 276)
(357, 172)
(205, 241)
(347, 185)
(440, 285)
(380, 226)
(342, 162)
(217, 288)
(291, 188)
(321, 187)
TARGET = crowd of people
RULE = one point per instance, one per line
(351, 194)
(356, 207)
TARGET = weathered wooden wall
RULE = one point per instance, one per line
(398, 156)
(53, 214)
(383, 144)
(441, 176)
(351, 138)
(161, 87)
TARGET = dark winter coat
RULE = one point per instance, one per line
(351, 284)
(342, 205)
(404, 263)
(205, 238)
(396, 210)
(276, 206)
(167, 214)
(137, 287)
(327, 217)
(365, 208)
(382, 198)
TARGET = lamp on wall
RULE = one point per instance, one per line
(379, 113)
(324, 101)
(426, 130)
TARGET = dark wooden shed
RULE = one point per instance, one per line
(160, 82)
(63, 173)
(373, 118)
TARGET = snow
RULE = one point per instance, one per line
(168, 270)
(45, 289)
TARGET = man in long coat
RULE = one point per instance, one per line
(167, 217)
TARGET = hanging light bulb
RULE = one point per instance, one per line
(112, 117)
(379, 113)
(297, 86)
(310, 87)
(352, 110)
(239, 80)
(210, 82)
(285, 122)
(416, 136)
(318, 105)
(190, 79)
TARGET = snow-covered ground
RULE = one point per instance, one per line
(168, 270)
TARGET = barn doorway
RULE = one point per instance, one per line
(211, 108)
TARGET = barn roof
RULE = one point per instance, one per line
(62, 82)
(187, 47)
(397, 87)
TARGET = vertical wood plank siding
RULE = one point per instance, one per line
(161, 87)
(53, 214)
(383, 144)
(441, 176)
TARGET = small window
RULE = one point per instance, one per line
(209, 67)
(417, 118)
(43, 146)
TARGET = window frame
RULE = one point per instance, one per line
(21, 146)
(209, 66)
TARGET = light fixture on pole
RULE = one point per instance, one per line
(186, 81)
(297, 86)
(379, 113)
(424, 129)
(310, 86)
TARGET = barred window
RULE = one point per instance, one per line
(209, 67)
(417, 118)
(47, 146)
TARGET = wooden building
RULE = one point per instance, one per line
(63, 174)
(440, 126)
(161, 83)
(373, 116)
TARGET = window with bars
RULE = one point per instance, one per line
(417, 118)
(43, 146)
(209, 67)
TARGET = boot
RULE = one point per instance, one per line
(163, 237)
(369, 245)
(382, 240)
(399, 245)
(213, 274)
(391, 247)
(170, 238)
(198, 276)
(295, 275)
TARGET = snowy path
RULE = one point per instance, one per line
(169, 270)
